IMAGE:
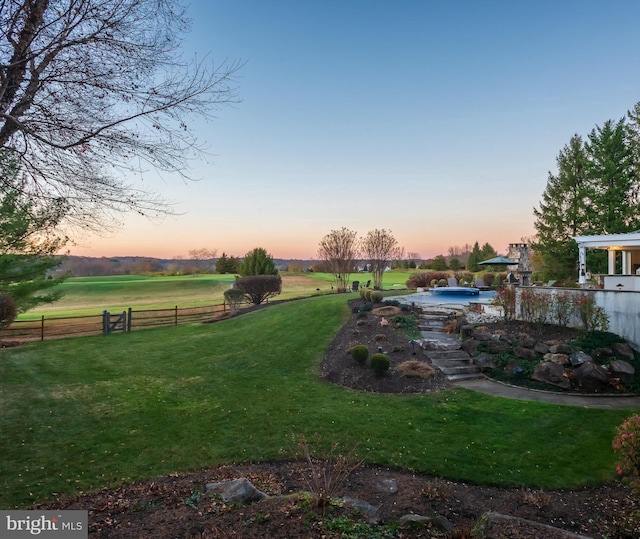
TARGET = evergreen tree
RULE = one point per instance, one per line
(439, 263)
(227, 264)
(257, 262)
(613, 206)
(563, 211)
(474, 258)
(28, 244)
(487, 252)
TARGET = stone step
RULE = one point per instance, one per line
(432, 324)
(470, 376)
(451, 363)
(447, 354)
(469, 369)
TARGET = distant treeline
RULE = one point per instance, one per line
(87, 266)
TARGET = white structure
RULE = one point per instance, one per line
(628, 245)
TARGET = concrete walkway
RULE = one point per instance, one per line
(497, 389)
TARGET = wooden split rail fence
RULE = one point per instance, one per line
(105, 323)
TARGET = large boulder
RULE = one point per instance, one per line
(552, 373)
(561, 348)
(470, 346)
(527, 342)
(578, 358)
(236, 491)
(560, 359)
(484, 361)
(526, 353)
(482, 336)
(622, 369)
(497, 347)
(591, 377)
(541, 348)
(623, 350)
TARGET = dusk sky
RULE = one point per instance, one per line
(437, 120)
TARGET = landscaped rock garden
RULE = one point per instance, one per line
(552, 358)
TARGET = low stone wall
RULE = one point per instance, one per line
(622, 308)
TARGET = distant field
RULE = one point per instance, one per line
(92, 295)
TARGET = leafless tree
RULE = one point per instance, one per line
(379, 247)
(95, 92)
(203, 259)
(339, 250)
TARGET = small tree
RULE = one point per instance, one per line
(227, 264)
(439, 263)
(454, 263)
(258, 288)
(339, 250)
(203, 260)
(379, 247)
(474, 258)
(257, 262)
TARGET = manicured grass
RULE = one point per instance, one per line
(85, 296)
(85, 413)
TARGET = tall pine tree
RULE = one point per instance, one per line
(563, 212)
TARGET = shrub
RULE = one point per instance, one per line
(234, 297)
(258, 288)
(387, 310)
(506, 298)
(442, 282)
(534, 306)
(326, 479)
(380, 363)
(407, 323)
(594, 318)
(416, 369)
(420, 279)
(626, 444)
(488, 278)
(376, 296)
(424, 279)
(8, 310)
(463, 276)
(562, 308)
(366, 307)
(360, 353)
(391, 303)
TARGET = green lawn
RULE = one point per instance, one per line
(90, 412)
(85, 296)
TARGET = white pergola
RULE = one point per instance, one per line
(626, 244)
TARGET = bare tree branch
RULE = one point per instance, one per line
(91, 90)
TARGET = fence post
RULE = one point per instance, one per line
(106, 318)
(175, 322)
(42, 328)
(129, 320)
(124, 321)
